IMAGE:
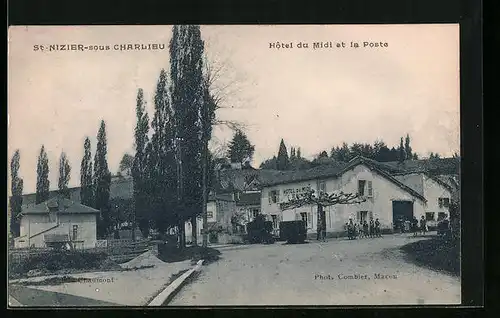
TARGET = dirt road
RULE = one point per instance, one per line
(336, 272)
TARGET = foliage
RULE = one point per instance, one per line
(54, 260)
(139, 166)
(64, 175)
(126, 163)
(42, 177)
(160, 185)
(86, 175)
(282, 161)
(321, 200)
(16, 199)
(240, 148)
(102, 182)
(121, 210)
(408, 150)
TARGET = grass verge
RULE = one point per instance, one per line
(435, 253)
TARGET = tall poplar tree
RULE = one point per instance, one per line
(188, 97)
(161, 162)
(282, 160)
(102, 181)
(139, 167)
(408, 150)
(86, 175)
(42, 177)
(402, 154)
(64, 175)
(16, 199)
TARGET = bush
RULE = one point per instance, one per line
(293, 231)
(55, 260)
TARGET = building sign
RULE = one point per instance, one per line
(292, 192)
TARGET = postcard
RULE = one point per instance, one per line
(242, 165)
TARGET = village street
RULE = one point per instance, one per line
(281, 274)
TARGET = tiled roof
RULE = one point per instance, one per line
(62, 205)
(252, 198)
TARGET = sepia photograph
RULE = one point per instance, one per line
(233, 165)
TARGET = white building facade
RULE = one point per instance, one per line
(387, 198)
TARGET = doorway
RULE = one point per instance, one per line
(401, 211)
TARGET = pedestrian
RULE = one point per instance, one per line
(377, 228)
(350, 229)
(423, 225)
(361, 232)
(372, 228)
(365, 228)
(414, 226)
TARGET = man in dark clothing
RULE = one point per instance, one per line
(423, 226)
(414, 226)
(372, 228)
(377, 228)
(365, 229)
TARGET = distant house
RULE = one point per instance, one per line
(248, 205)
(220, 209)
(58, 221)
(392, 193)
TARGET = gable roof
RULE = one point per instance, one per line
(62, 205)
(319, 172)
(374, 166)
(337, 169)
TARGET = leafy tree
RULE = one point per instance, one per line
(299, 154)
(269, 163)
(64, 175)
(341, 153)
(323, 154)
(321, 200)
(16, 199)
(401, 150)
(139, 167)
(292, 153)
(408, 150)
(126, 164)
(42, 177)
(86, 175)
(102, 181)
(282, 161)
(240, 148)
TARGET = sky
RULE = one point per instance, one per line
(312, 98)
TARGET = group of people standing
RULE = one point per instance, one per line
(415, 226)
(363, 229)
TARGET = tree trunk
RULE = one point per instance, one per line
(318, 225)
(194, 230)
(204, 193)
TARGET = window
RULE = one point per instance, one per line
(429, 216)
(441, 216)
(75, 232)
(303, 216)
(370, 188)
(322, 186)
(273, 196)
(361, 187)
(444, 202)
(362, 216)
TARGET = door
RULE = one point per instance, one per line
(401, 211)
